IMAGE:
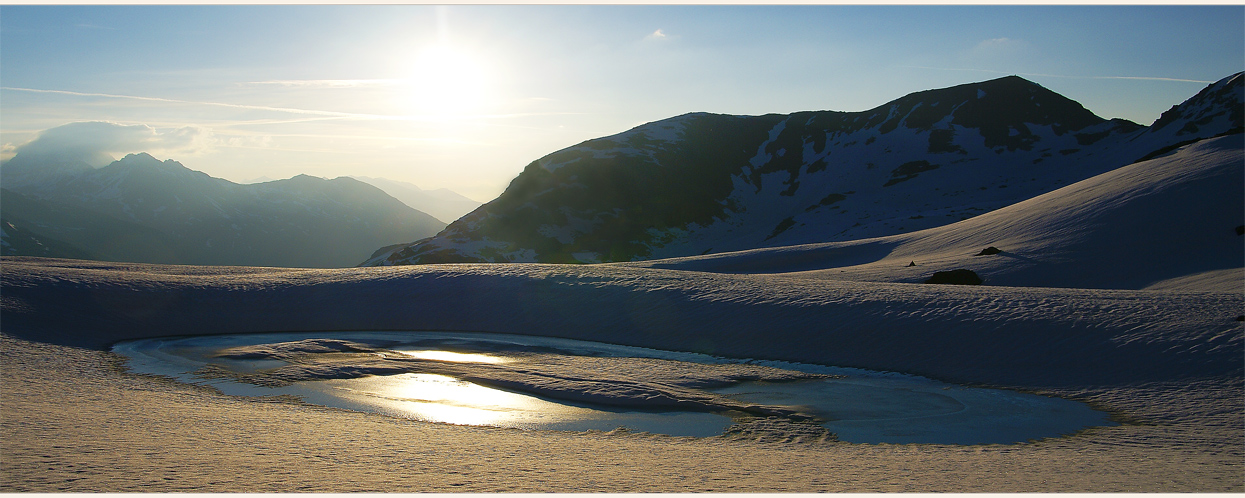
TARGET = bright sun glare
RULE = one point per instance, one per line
(452, 356)
(447, 82)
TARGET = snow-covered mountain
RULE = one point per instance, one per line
(706, 183)
(141, 209)
(442, 203)
(1175, 221)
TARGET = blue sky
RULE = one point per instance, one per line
(464, 97)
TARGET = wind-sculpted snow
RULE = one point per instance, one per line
(645, 383)
(1002, 335)
(704, 183)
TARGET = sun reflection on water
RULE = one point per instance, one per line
(441, 398)
(452, 356)
(863, 407)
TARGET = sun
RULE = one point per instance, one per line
(446, 82)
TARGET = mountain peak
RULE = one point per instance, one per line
(140, 156)
(143, 160)
(1010, 79)
(1003, 109)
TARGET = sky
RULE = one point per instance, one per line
(464, 97)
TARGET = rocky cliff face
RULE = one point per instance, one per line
(702, 183)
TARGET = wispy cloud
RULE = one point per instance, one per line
(95, 141)
(658, 35)
(382, 138)
(324, 115)
(992, 71)
(215, 104)
(268, 142)
(999, 43)
(267, 122)
(996, 50)
(328, 83)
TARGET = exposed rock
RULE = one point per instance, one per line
(908, 171)
(955, 277)
(989, 250)
(782, 226)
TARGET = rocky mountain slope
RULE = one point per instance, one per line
(706, 183)
(16, 239)
(140, 209)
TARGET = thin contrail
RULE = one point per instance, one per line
(1152, 78)
(355, 137)
(266, 122)
(326, 83)
(217, 104)
(328, 114)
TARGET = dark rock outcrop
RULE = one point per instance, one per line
(955, 277)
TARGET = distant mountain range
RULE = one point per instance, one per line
(140, 209)
(709, 183)
(442, 203)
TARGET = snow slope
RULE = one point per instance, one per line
(1172, 218)
(1001, 335)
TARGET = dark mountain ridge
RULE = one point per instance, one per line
(700, 182)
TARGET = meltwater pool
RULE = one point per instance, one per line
(547, 383)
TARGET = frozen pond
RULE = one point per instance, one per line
(532, 382)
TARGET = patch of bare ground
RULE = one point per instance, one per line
(71, 420)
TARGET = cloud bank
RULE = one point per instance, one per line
(97, 142)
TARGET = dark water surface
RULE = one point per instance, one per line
(860, 407)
